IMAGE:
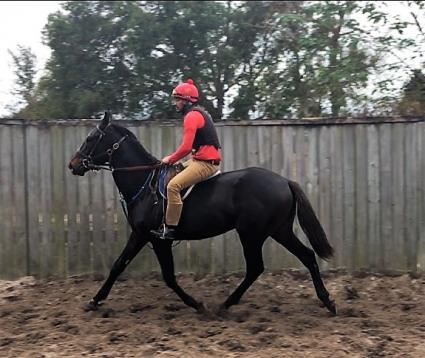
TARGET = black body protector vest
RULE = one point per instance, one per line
(207, 135)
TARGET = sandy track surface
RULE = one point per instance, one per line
(279, 316)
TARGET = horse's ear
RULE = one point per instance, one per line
(106, 120)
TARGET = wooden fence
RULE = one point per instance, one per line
(365, 179)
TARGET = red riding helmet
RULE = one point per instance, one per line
(186, 91)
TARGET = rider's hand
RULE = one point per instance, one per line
(166, 159)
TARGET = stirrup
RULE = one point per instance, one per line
(162, 232)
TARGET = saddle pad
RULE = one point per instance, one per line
(185, 192)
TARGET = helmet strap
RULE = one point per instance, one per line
(186, 107)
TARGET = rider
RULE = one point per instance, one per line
(200, 138)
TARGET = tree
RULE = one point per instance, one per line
(322, 61)
(413, 100)
(24, 61)
(214, 43)
(87, 72)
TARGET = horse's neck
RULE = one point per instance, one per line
(131, 155)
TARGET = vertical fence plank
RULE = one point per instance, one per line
(348, 150)
(6, 214)
(411, 160)
(19, 202)
(45, 202)
(421, 198)
(385, 237)
(336, 192)
(373, 182)
(59, 170)
(361, 199)
(72, 142)
(325, 184)
(398, 196)
(34, 184)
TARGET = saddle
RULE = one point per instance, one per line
(169, 172)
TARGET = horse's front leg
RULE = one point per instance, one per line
(134, 245)
(164, 253)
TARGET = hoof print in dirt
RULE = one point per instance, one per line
(352, 312)
(108, 313)
(71, 329)
(6, 341)
(233, 345)
(168, 316)
(407, 306)
(351, 293)
(173, 307)
(139, 308)
(275, 309)
(116, 337)
(210, 332)
(241, 317)
(256, 329)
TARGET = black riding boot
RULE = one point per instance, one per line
(165, 232)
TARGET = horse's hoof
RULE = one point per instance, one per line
(330, 305)
(91, 306)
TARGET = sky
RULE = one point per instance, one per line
(22, 22)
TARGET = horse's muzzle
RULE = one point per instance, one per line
(76, 166)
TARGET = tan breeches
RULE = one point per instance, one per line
(195, 171)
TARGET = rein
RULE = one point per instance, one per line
(124, 169)
(138, 167)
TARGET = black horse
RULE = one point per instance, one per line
(256, 202)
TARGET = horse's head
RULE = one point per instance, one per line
(97, 148)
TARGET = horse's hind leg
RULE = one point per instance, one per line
(164, 253)
(252, 249)
(288, 239)
(131, 249)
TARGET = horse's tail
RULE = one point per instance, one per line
(310, 223)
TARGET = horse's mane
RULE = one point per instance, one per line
(124, 131)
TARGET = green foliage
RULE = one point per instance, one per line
(413, 100)
(24, 62)
(251, 59)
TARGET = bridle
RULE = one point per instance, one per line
(88, 159)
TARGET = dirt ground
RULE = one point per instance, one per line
(280, 316)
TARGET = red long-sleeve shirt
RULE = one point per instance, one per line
(191, 122)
